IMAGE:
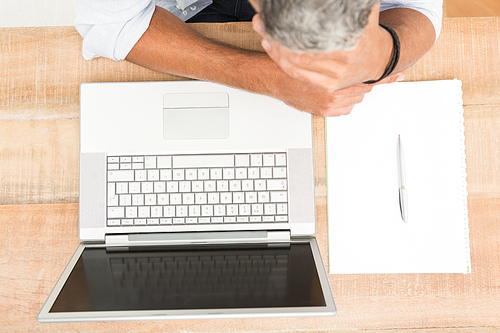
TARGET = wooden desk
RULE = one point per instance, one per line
(40, 73)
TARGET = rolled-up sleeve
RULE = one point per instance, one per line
(111, 28)
(433, 9)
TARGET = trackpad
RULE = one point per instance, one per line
(196, 123)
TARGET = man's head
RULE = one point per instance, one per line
(314, 25)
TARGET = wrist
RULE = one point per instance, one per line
(390, 56)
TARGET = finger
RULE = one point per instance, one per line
(392, 78)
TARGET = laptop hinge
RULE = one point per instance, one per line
(180, 238)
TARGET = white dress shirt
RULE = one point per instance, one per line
(111, 28)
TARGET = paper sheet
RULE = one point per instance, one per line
(366, 232)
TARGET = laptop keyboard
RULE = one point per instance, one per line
(196, 189)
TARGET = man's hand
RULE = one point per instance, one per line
(330, 71)
(337, 103)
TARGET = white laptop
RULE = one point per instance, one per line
(196, 201)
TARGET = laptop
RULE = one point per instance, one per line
(196, 202)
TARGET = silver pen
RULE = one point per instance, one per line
(403, 195)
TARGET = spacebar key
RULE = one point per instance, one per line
(199, 161)
(121, 176)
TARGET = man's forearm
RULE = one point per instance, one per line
(415, 32)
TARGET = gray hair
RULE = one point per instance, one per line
(315, 25)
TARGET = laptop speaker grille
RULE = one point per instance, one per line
(92, 190)
(301, 186)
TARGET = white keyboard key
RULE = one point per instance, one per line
(178, 220)
(169, 211)
(260, 185)
(175, 199)
(147, 187)
(219, 210)
(184, 186)
(217, 220)
(153, 175)
(282, 208)
(247, 185)
(121, 176)
(165, 174)
(113, 223)
(255, 218)
(228, 173)
(222, 186)
(203, 174)
(194, 210)
(178, 174)
(232, 210)
(216, 173)
(138, 159)
(256, 160)
(263, 197)
(152, 221)
(241, 173)
(207, 210)
(127, 222)
(200, 161)
(137, 166)
(242, 160)
(280, 159)
(243, 219)
(141, 175)
(279, 172)
(164, 162)
(143, 211)
(266, 172)
(150, 162)
(125, 166)
(131, 212)
(159, 187)
(156, 211)
(137, 199)
(188, 198)
(200, 198)
(250, 197)
(191, 220)
(125, 200)
(239, 197)
(213, 198)
(166, 221)
(172, 187)
(279, 196)
(229, 219)
(244, 209)
(134, 187)
(112, 159)
(113, 200)
(150, 199)
(276, 184)
(121, 188)
(191, 174)
(125, 159)
(114, 166)
(281, 218)
(197, 186)
(257, 209)
(204, 220)
(268, 159)
(270, 209)
(163, 199)
(139, 221)
(226, 197)
(235, 185)
(253, 173)
(116, 212)
(268, 218)
(209, 185)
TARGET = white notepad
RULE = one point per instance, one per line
(366, 231)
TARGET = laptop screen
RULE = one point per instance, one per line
(201, 277)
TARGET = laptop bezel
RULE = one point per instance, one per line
(329, 310)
